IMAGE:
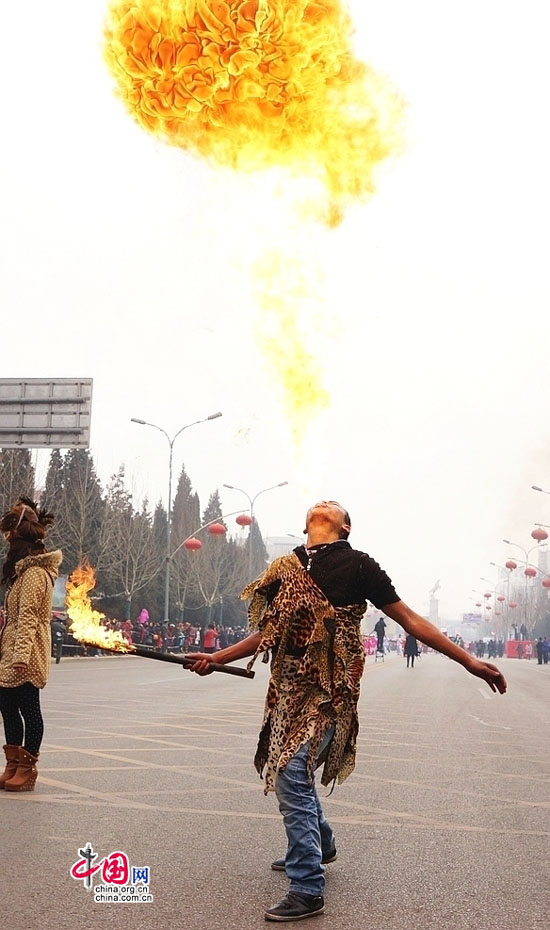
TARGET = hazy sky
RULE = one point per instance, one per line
(129, 262)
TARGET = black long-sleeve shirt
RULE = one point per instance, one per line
(346, 575)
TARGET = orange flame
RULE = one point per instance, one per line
(85, 621)
(282, 331)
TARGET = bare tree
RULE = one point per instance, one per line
(131, 558)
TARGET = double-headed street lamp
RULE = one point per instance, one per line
(529, 570)
(252, 501)
(213, 416)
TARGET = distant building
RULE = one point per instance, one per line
(280, 545)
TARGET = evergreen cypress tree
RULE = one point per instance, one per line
(185, 520)
(258, 558)
(16, 476)
(153, 593)
(82, 509)
(16, 479)
(54, 498)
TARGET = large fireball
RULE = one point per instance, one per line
(255, 84)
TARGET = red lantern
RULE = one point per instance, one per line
(217, 529)
(539, 534)
(546, 583)
(193, 544)
(497, 613)
(530, 572)
(501, 598)
(487, 594)
(478, 603)
(488, 607)
(512, 604)
(511, 564)
(243, 519)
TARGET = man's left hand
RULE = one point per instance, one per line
(490, 673)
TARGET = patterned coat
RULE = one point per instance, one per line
(308, 695)
(26, 635)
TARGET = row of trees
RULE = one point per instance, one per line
(125, 541)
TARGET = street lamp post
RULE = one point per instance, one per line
(508, 568)
(495, 601)
(527, 554)
(252, 500)
(213, 416)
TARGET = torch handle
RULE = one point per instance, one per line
(145, 653)
(230, 670)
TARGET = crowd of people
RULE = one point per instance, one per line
(494, 648)
(184, 637)
(163, 637)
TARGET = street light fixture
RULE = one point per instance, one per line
(213, 416)
(252, 501)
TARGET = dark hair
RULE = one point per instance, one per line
(24, 526)
(347, 520)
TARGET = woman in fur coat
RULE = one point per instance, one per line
(29, 574)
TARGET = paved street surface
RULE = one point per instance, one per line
(444, 824)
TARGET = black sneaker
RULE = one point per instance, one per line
(279, 864)
(296, 906)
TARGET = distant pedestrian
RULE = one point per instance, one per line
(59, 636)
(520, 651)
(210, 639)
(540, 650)
(380, 630)
(411, 649)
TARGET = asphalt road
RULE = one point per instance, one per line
(444, 823)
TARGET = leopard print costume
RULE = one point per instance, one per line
(306, 696)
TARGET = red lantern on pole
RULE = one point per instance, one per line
(244, 519)
(512, 604)
(217, 529)
(530, 572)
(193, 544)
(478, 603)
(546, 583)
(539, 534)
(501, 598)
(487, 594)
(510, 564)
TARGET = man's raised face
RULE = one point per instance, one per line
(330, 512)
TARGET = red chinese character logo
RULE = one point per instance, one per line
(80, 871)
(116, 869)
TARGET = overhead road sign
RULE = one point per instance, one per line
(38, 413)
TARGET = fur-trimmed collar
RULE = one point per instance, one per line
(49, 561)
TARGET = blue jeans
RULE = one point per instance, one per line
(309, 834)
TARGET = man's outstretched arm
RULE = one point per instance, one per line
(241, 650)
(429, 634)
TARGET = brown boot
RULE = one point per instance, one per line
(26, 773)
(12, 761)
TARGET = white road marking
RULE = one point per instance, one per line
(495, 726)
